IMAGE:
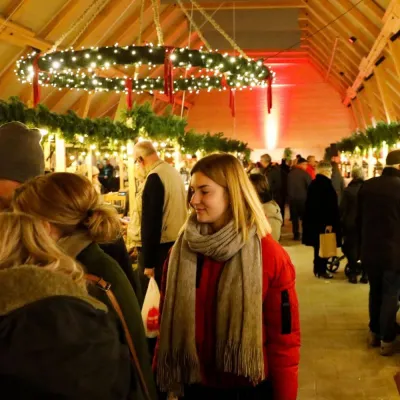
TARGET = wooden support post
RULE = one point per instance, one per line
(370, 163)
(89, 163)
(60, 155)
(362, 115)
(381, 80)
(121, 172)
(131, 177)
(364, 107)
(394, 51)
(372, 101)
(121, 107)
(356, 115)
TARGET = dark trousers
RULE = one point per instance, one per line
(296, 214)
(263, 391)
(384, 291)
(350, 250)
(320, 264)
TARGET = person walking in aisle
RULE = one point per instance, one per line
(348, 216)
(379, 224)
(321, 213)
(56, 341)
(229, 309)
(298, 182)
(337, 180)
(79, 222)
(270, 206)
(163, 211)
(311, 164)
(273, 174)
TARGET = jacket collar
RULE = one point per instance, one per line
(322, 178)
(388, 171)
(356, 182)
(27, 284)
(154, 166)
(74, 244)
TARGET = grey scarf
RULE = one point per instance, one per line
(239, 346)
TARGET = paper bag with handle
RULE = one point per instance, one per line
(327, 243)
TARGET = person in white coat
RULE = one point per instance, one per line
(271, 208)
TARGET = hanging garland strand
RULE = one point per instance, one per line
(104, 131)
(77, 69)
(156, 12)
(219, 29)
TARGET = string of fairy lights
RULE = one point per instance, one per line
(82, 69)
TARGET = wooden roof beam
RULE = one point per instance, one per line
(248, 5)
(391, 26)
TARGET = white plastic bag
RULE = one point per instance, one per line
(151, 310)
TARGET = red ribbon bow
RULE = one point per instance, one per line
(35, 80)
(169, 74)
(232, 98)
(128, 86)
(269, 94)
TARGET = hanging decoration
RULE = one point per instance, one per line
(105, 132)
(81, 69)
(35, 80)
(373, 137)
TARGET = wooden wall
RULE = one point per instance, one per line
(307, 114)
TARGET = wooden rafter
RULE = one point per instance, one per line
(248, 5)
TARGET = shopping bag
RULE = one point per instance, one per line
(327, 244)
(151, 310)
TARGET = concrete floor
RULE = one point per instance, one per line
(336, 363)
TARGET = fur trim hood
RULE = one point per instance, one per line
(27, 284)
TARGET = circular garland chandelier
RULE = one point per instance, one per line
(78, 69)
(86, 69)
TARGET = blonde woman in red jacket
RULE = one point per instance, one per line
(229, 311)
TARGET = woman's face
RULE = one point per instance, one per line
(210, 201)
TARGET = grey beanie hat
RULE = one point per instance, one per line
(21, 155)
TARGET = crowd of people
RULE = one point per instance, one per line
(365, 218)
(70, 313)
(71, 325)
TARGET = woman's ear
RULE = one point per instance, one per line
(52, 230)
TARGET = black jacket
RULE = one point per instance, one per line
(379, 220)
(298, 182)
(337, 181)
(56, 342)
(321, 210)
(349, 207)
(273, 174)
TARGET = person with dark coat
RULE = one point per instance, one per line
(285, 169)
(350, 230)
(79, 222)
(298, 182)
(273, 174)
(321, 213)
(56, 341)
(337, 180)
(379, 222)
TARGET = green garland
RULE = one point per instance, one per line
(76, 69)
(373, 137)
(106, 133)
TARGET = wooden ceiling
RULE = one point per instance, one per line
(325, 26)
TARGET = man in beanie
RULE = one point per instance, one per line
(21, 157)
(379, 225)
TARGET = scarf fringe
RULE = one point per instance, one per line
(234, 358)
(176, 370)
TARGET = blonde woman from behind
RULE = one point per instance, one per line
(79, 222)
(271, 208)
(55, 340)
(229, 311)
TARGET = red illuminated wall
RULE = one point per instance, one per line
(307, 113)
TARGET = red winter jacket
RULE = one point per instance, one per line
(311, 171)
(281, 322)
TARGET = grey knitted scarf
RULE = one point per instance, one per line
(239, 346)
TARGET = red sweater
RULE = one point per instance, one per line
(281, 322)
(311, 171)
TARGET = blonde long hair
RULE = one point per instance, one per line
(25, 241)
(245, 206)
(69, 202)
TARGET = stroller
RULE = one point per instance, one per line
(334, 264)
